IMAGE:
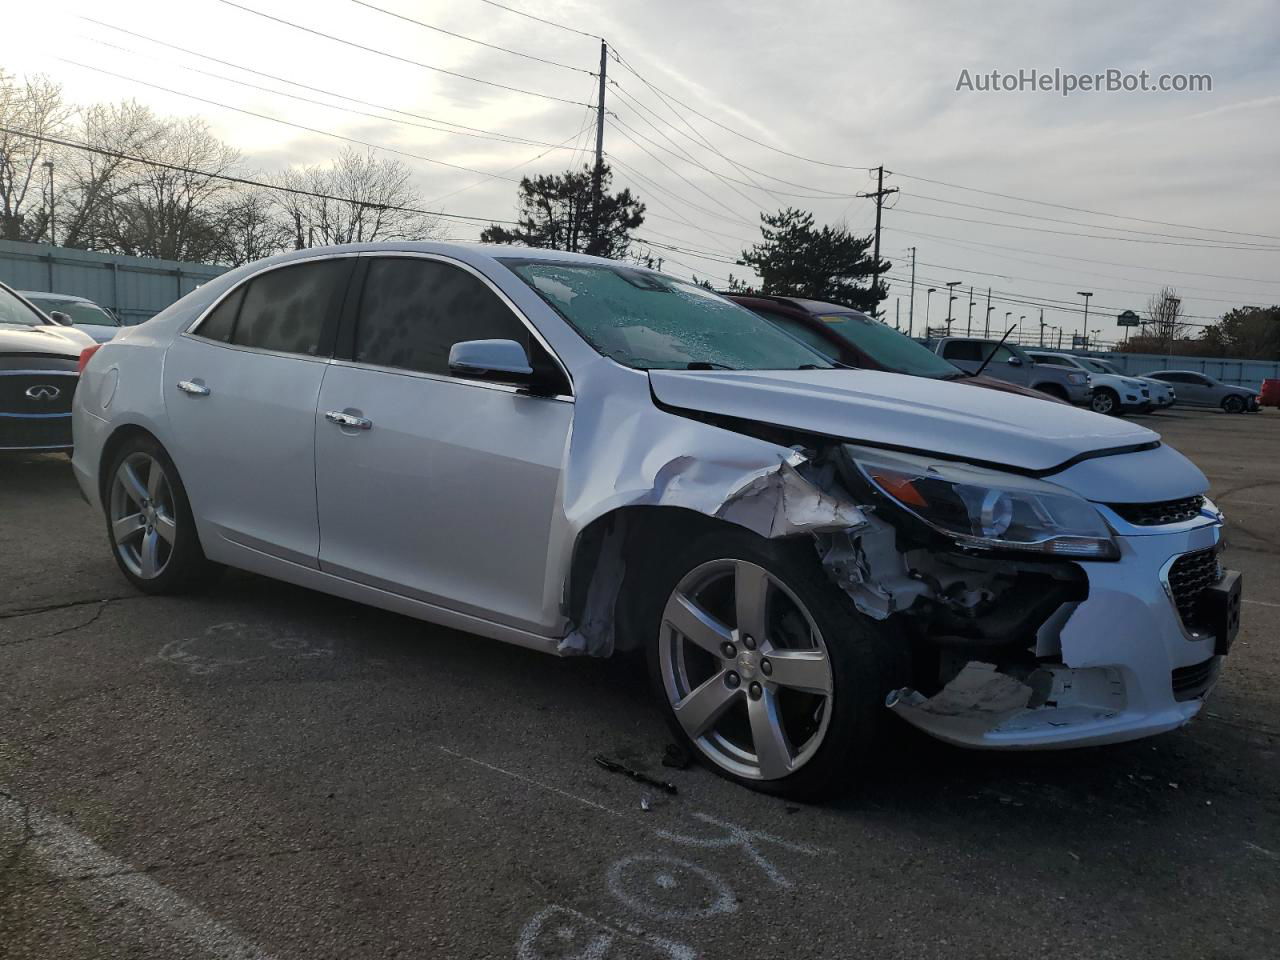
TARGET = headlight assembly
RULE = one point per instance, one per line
(984, 509)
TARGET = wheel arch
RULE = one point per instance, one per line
(1052, 388)
(117, 439)
(614, 556)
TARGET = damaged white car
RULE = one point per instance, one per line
(582, 457)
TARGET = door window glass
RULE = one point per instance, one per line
(413, 310)
(222, 319)
(293, 309)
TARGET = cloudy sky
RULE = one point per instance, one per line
(850, 84)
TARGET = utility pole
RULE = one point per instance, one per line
(1042, 327)
(1084, 327)
(878, 196)
(598, 173)
(48, 165)
(968, 327)
(911, 303)
(897, 312)
(986, 331)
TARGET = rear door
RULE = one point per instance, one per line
(968, 355)
(240, 389)
(447, 490)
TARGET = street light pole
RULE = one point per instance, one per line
(1020, 319)
(1084, 327)
(928, 302)
(951, 298)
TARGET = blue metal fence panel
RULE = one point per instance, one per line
(1244, 373)
(135, 288)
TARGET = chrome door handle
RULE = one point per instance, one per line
(193, 388)
(348, 420)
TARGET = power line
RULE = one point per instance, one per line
(1091, 236)
(685, 221)
(243, 181)
(331, 106)
(393, 56)
(493, 134)
(287, 123)
(737, 133)
(1111, 263)
(1096, 213)
(736, 218)
(463, 36)
(550, 23)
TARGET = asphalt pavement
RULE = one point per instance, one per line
(262, 771)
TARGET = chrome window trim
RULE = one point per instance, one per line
(42, 373)
(34, 416)
(462, 381)
(193, 327)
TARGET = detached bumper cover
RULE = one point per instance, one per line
(1118, 666)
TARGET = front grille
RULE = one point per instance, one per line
(1190, 574)
(1194, 681)
(28, 392)
(24, 433)
(1159, 514)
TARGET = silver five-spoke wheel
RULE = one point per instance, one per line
(745, 669)
(142, 515)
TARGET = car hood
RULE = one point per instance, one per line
(15, 338)
(892, 410)
(1004, 386)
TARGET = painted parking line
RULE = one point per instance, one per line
(1260, 603)
(103, 883)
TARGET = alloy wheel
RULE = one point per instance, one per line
(143, 524)
(1103, 402)
(745, 669)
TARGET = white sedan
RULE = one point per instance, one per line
(582, 456)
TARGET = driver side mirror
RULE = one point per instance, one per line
(60, 318)
(1016, 361)
(497, 361)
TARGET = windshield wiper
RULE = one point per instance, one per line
(707, 365)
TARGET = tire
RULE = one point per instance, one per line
(1233, 404)
(1105, 401)
(149, 524)
(724, 704)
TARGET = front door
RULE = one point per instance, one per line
(240, 391)
(440, 489)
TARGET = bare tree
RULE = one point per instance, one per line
(93, 182)
(1164, 311)
(32, 106)
(250, 227)
(372, 193)
(171, 211)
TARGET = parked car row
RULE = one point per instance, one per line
(582, 456)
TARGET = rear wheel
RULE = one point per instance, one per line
(1233, 404)
(153, 535)
(766, 669)
(1105, 400)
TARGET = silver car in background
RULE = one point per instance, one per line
(78, 312)
(1201, 390)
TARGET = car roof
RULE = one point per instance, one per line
(797, 303)
(46, 295)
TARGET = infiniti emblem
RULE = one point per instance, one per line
(43, 391)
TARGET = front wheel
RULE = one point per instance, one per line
(1233, 404)
(1104, 401)
(766, 668)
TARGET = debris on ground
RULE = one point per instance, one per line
(613, 766)
(676, 757)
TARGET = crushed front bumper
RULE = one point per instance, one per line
(1117, 666)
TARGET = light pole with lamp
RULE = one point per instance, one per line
(951, 298)
(1084, 326)
(48, 165)
(928, 302)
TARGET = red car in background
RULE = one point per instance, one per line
(854, 339)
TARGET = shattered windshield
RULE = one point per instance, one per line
(650, 321)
